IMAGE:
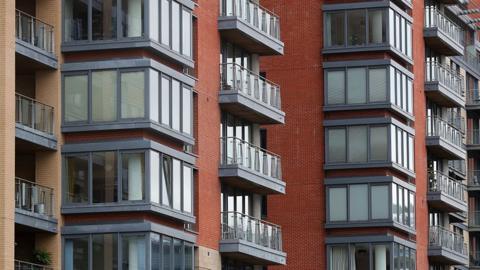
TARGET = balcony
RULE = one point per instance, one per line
(34, 41)
(250, 167)
(250, 239)
(21, 265)
(446, 193)
(444, 139)
(249, 95)
(34, 206)
(34, 123)
(442, 34)
(251, 26)
(444, 85)
(446, 247)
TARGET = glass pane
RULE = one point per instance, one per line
(167, 181)
(381, 257)
(187, 110)
(156, 251)
(187, 189)
(133, 176)
(76, 20)
(380, 205)
(378, 143)
(188, 257)
(335, 87)
(394, 203)
(356, 85)
(133, 252)
(133, 94)
(336, 145)
(104, 166)
(177, 184)
(376, 27)
(165, 22)
(77, 179)
(361, 256)
(337, 204)
(338, 258)
(175, 26)
(105, 249)
(167, 253)
(104, 19)
(377, 83)
(335, 29)
(356, 27)
(76, 98)
(165, 101)
(104, 95)
(176, 109)
(186, 33)
(76, 253)
(178, 254)
(357, 144)
(132, 18)
(155, 177)
(358, 203)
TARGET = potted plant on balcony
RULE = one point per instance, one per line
(42, 257)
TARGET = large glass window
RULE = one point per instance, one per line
(105, 252)
(186, 33)
(355, 256)
(104, 177)
(403, 205)
(356, 85)
(336, 145)
(379, 201)
(134, 252)
(104, 96)
(356, 27)
(165, 101)
(337, 202)
(376, 27)
(338, 257)
(132, 19)
(77, 183)
(379, 143)
(165, 20)
(336, 87)
(133, 176)
(335, 29)
(104, 19)
(133, 94)
(357, 148)
(76, 253)
(76, 98)
(76, 20)
(358, 202)
(175, 34)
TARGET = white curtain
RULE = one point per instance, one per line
(136, 253)
(380, 257)
(134, 18)
(339, 258)
(135, 178)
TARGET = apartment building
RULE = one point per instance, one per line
(132, 146)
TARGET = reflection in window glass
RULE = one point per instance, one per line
(377, 84)
(155, 177)
(104, 95)
(104, 166)
(361, 256)
(357, 85)
(133, 252)
(76, 253)
(379, 202)
(376, 27)
(187, 189)
(133, 94)
(335, 29)
(336, 145)
(356, 27)
(176, 106)
(358, 203)
(177, 185)
(167, 253)
(186, 33)
(188, 257)
(187, 111)
(133, 176)
(167, 180)
(76, 98)
(336, 87)
(378, 143)
(156, 251)
(357, 144)
(175, 26)
(165, 97)
(178, 256)
(337, 202)
(105, 249)
(77, 179)
(132, 18)
(76, 20)
(165, 17)
(104, 19)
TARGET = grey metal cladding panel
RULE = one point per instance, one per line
(368, 106)
(346, 166)
(443, 198)
(226, 97)
(38, 55)
(253, 250)
(453, 98)
(131, 207)
(369, 224)
(34, 221)
(450, 255)
(234, 23)
(34, 136)
(370, 62)
(456, 151)
(275, 185)
(434, 32)
(66, 128)
(369, 48)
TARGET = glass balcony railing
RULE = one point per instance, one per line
(34, 31)
(34, 114)
(445, 238)
(34, 198)
(247, 155)
(21, 265)
(434, 18)
(237, 78)
(237, 226)
(436, 72)
(443, 129)
(253, 14)
(458, 166)
(439, 182)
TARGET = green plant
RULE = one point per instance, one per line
(42, 257)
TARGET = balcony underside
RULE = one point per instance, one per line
(34, 139)
(250, 109)
(445, 203)
(35, 222)
(246, 36)
(250, 180)
(251, 253)
(441, 255)
(33, 57)
(444, 149)
(440, 94)
(442, 43)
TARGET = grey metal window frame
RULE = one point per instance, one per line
(368, 64)
(129, 147)
(387, 45)
(148, 246)
(370, 240)
(371, 182)
(122, 66)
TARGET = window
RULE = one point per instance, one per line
(187, 106)
(336, 145)
(187, 188)
(132, 19)
(77, 183)
(133, 176)
(336, 87)
(167, 253)
(379, 143)
(133, 94)
(76, 253)
(167, 179)
(76, 98)
(355, 256)
(403, 257)
(337, 203)
(104, 96)
(356, 27)
(377, 84)
(156, 255)
(186, 33)
(357, 147)
(400, 33)
(361, 256)
(376, 27)
(165, 20)
(404, 148)
(356, 85)
(358, 202)
(177, 188)
(177, 254)
(176, 107)
(134, 252)
(335, 29)
(175, 34)
(76, 20)
(165, 101)
(104, 20)
(105, 251)
(338, 259)
(403, 205)
(104, 167)
(379, 201)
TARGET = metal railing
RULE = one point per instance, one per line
(253, 14)
(436, 72)
(237, 78)
(235, 151)
(434, 18)
(21, 265)
(458, 166)
(442, 237)
(237, 226)
(33, 197)
(34, 31)
(439, 127)
(473, 178)
(438, 181)
(473, 97)
(33, 114)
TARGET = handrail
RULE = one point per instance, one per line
(34, 114)
(33, 197)
(239, 152)
(23, 265)
(439, 236)
(439, 181)
(235, 77)
(239, 226)
(34, 31)
(254, 14)
(439, 127)
(434, 18)
(435, 71)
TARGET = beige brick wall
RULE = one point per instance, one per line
(207, 259)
